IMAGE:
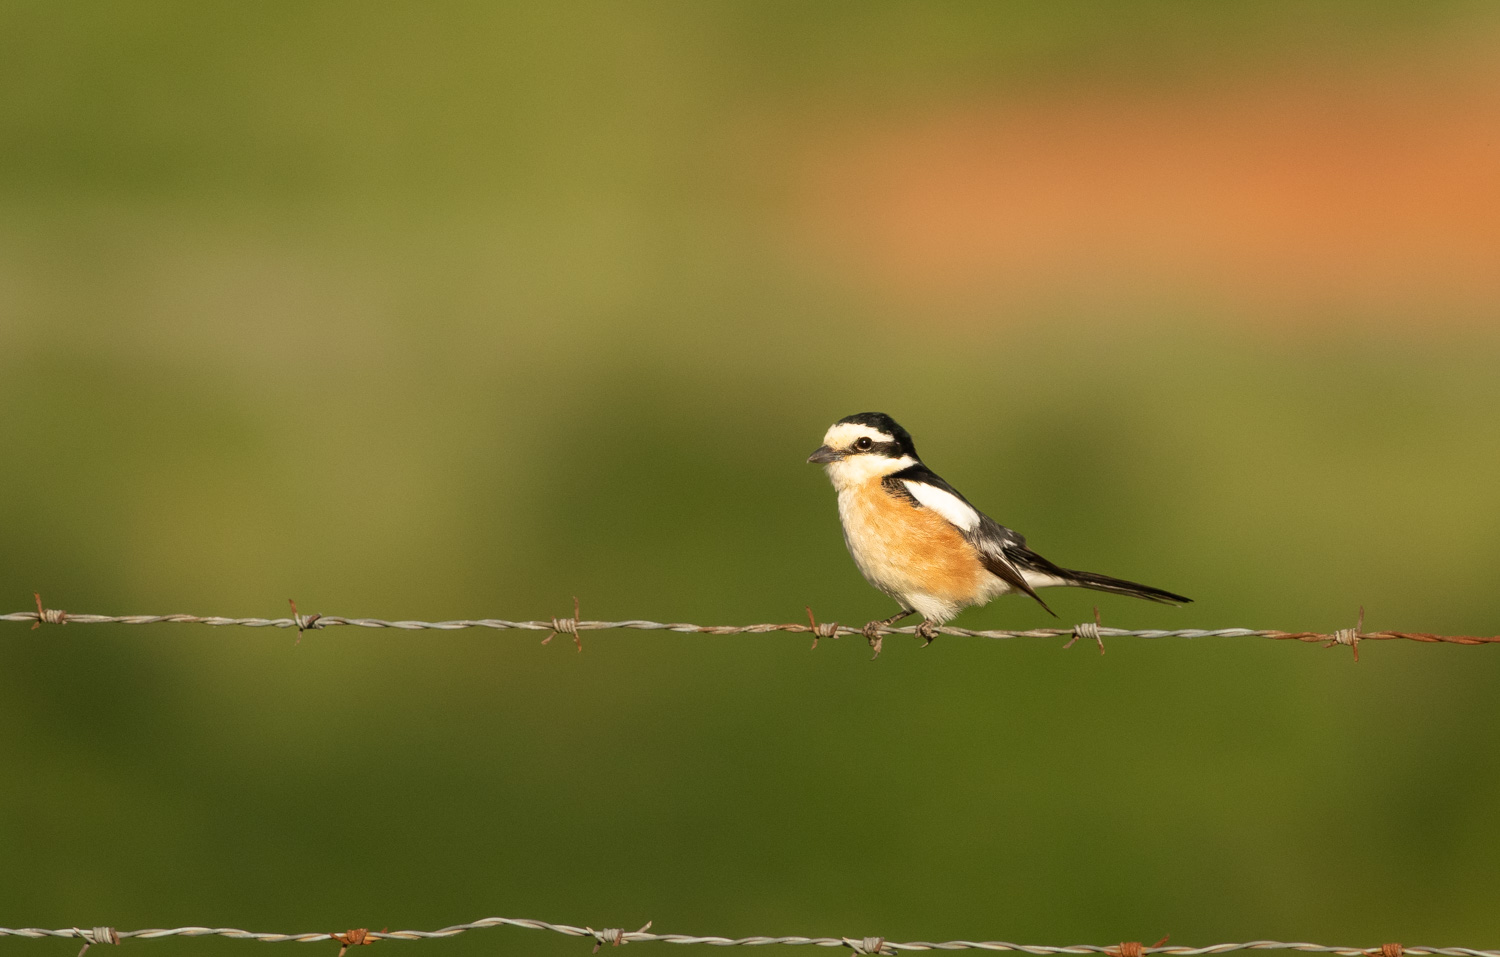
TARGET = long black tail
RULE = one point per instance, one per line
(1122, 587)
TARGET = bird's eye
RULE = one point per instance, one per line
(864, 443)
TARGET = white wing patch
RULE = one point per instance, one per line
(1041, 579)
(946, 504)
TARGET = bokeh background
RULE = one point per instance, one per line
(463, 309)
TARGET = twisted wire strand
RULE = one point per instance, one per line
(1342, 636)
(616, 937)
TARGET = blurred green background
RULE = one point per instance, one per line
(460, 310)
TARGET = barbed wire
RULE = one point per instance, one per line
(873, 632)
(615, 936)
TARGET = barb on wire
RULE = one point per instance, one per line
(52, 616)
(613, 936)
(566, 626)
(859, 945)
(95, 935)
(303, 622)
(874, 632)
(1089, 631)
(354, 937)
(1350, 636)
(1134, 948)
(828, 629)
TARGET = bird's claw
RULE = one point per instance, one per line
(873, 634)
(927, 631)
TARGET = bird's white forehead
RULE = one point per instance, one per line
(844, 434)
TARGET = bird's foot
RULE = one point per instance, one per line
(873, 631)
(927, 631)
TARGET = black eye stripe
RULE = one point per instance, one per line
(890, 450)
(881, 423)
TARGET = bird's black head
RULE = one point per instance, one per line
(865, 433)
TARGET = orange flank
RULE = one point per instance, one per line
(909, 549)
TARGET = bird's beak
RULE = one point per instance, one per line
(824, 455)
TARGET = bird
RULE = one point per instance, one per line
(918, 540)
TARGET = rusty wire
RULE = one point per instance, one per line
(615, 936)
(873, 632)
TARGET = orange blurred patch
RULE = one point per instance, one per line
(1374, 197)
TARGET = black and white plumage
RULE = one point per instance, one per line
(916, 538)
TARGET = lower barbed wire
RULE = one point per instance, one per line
(1347, 636)
(861, 945)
